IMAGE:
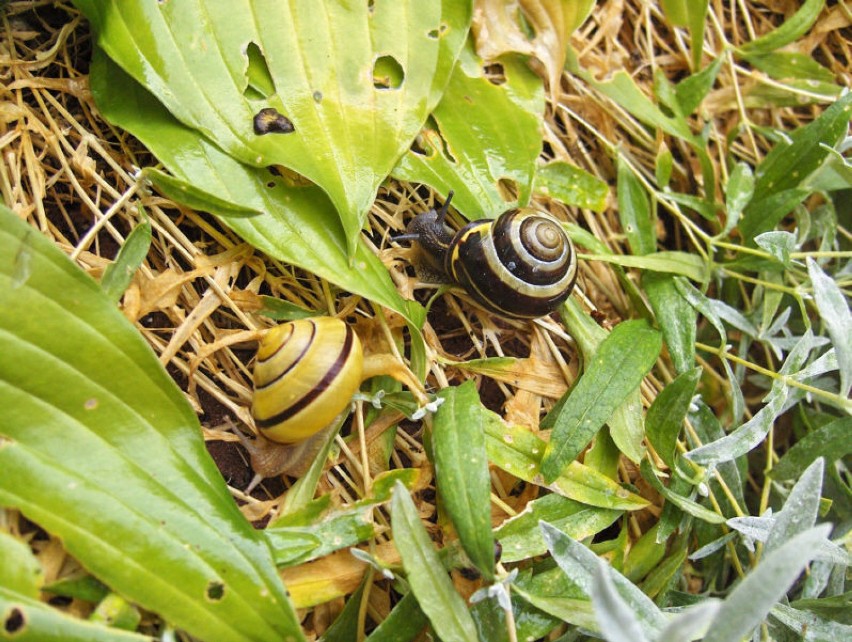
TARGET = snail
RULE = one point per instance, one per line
(520, 265)
(305, 375)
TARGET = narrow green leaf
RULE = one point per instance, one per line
(830, 441)
(790, 30)
(616, 620)
(576, 611)
(521, 537)
(504, 145)
(402, 624)
(571, 185)
(779, 244)
(686, 505)
(644, 555)
(691, 14)
(429, 581)
(834, 311)
(634, 211)
(189, 194)
(345, 626)
(747, 605)
(676, 318)
(580, 565)
(763, 218)
(95, 406)
(817, 628)
(29, 620)
(619, 365)
(118, 274)
(692, 90)
(791, 162)
(20, 572)
(325, 72)
(790, 64)
(691, 623)
(738, 193)
(461, 471)
(667, 412)
(685, 264)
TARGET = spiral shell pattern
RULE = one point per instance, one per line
(305, 374)
(521, 265)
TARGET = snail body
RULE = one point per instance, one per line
(520, 265)
(305, 375)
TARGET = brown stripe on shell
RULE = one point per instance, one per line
(298, 358)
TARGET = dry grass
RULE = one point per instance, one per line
(71, 175)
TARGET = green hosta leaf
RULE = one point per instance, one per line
(355, 80)
(293, 224)
(486, 134)
(747, 605)
(429, 581)
(790, 30)
(100, 448)
(619, 365)
(571, 185)
(118, 274)
(461, 471)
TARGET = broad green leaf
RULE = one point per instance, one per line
(20, 572)
(296, 225)
(747, 605)
(580, 565)
(789, 31)
(834, 311)
(521, 538)
(429, 581)
(756, 220)
(666, 414)
(619, 365)
(576, 611)
(486, 134)
(676, 317)
(634, 211)
(402, 624)
(118, 274)
(571, 185)
(461, 471)
(686, 505)
(685, 264)
(518, 451)
(94, 406)
(830, 441)
(355, 80)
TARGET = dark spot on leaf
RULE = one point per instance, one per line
(14, 622)
(215, 591)
(270, 184)
(317, 96)
(387, 73)
(437, 33)
(271, 121)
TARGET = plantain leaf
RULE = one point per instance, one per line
(790, 30)
(118, 274)
(634, 211)
(100, 448)
(665, 416)
(351, 83)
(293, 224)
(461, 470)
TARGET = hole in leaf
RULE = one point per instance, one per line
(495, 74)
(387, 73)
(14, 622)
(259, 83)
(215, 591)
(508, 189)
(437, 33)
